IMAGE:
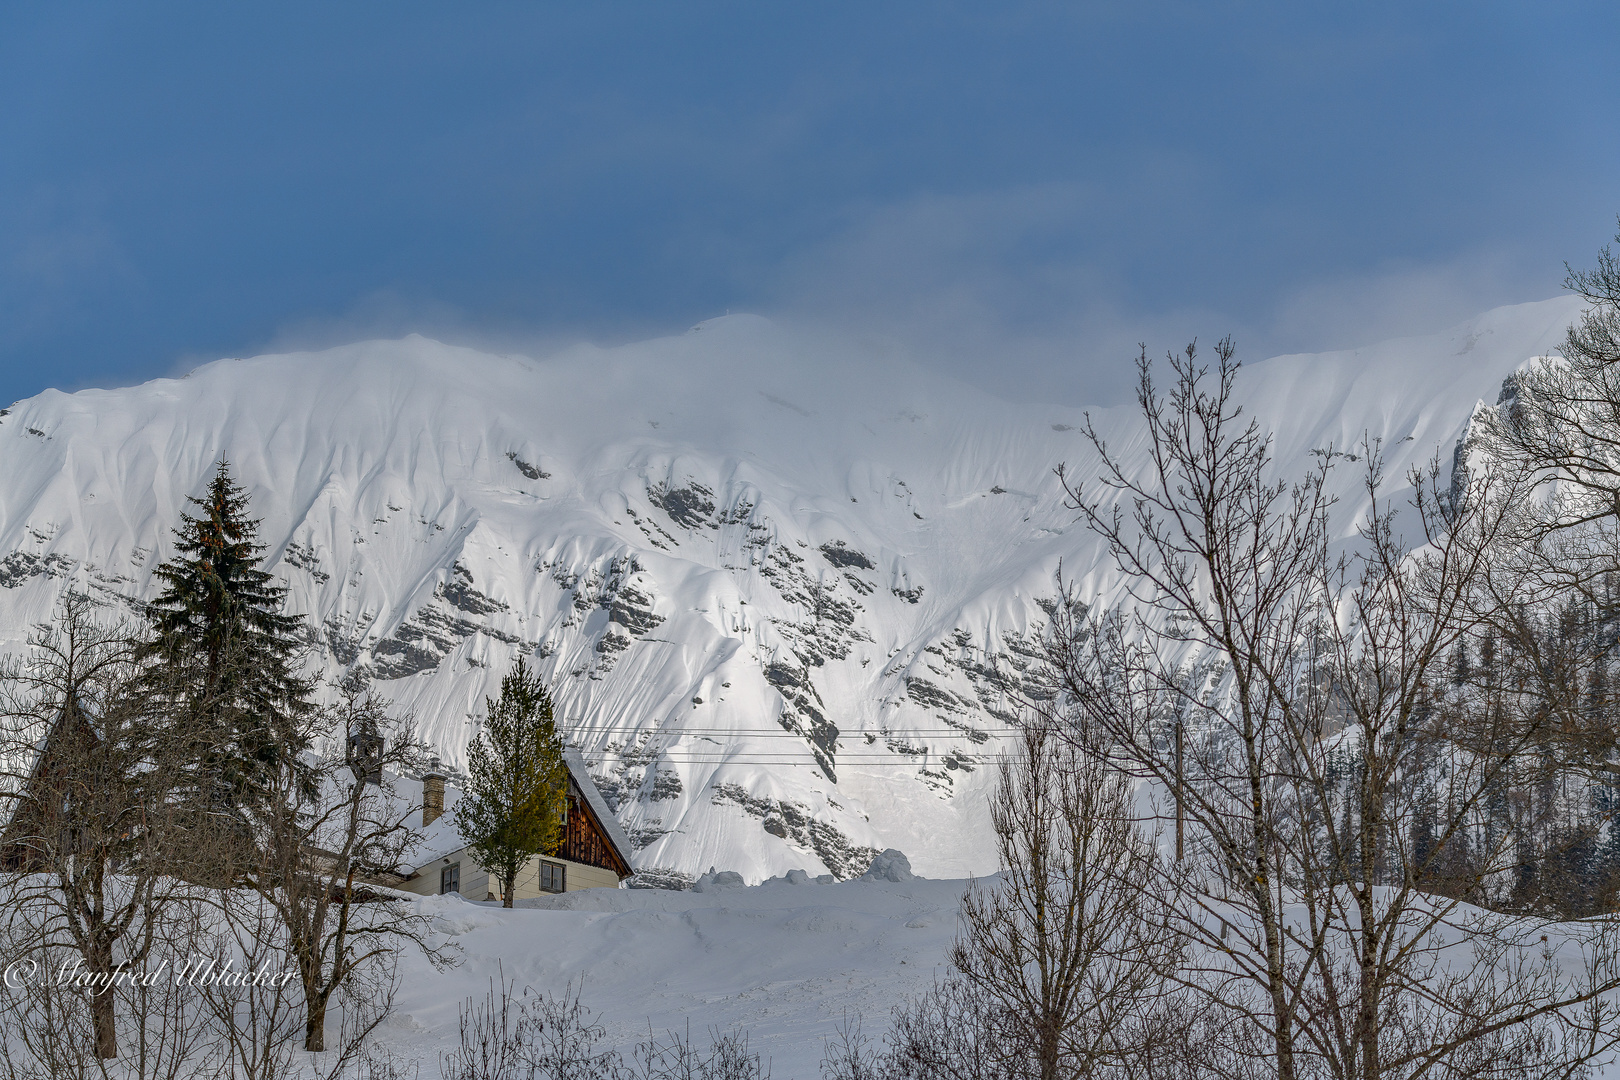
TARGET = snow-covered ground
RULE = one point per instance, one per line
(783, 587)
(784, 962)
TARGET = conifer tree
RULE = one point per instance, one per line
(221, 636)
(516, 799)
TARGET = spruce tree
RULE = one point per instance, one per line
(516, 799)
(227, 651)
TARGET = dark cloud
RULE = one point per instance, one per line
(1016, 194)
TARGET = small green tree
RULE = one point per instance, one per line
(516, 799)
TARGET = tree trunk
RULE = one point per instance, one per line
(1050, 1052)
(1371, 945)
(1270, 917)
(508, 884)
(1283, 1015)
(101, 1019)
(98, 964)
(315, 1026)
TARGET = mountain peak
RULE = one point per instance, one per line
(786, 590)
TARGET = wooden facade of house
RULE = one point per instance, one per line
(587, 842)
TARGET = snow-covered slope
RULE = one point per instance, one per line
(784, 963)
(782, 588)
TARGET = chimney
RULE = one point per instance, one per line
(432, 794)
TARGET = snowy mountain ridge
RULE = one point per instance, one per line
(781, 586)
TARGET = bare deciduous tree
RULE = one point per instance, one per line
(323, 842)
(1560, 417)
(1289, 701)
(1076, 941)
(90, 840)
(1064, 963)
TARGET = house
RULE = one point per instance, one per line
(38, 814)
(595, 853)
(36, 822)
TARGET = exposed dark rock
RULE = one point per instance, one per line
(648, 527)
(644, 835)
(459, 592)
(632, 609)
(634, 766)
(842, 556)
(424, 640)
(531, 471)
(343, 646)
(929, 696)
(785, 676)
(611, 588)
(910, 596)
(829, 629)
(791, 821)
(690, 507)
(660, 877)
(611, 642)
(860, 584)
(666, 784)
(305, 559)
(612, 790)
(21, 567)
(1001, 678)
(738, 514)
(802, 713)
(398, 658)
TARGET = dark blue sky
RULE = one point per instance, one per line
(1012, 192)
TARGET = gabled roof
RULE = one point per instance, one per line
(13, 784)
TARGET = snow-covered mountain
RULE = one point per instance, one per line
(782, 586)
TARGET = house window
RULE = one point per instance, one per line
(450, 878)
(552, 877)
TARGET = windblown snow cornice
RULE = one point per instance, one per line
(785, 591)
